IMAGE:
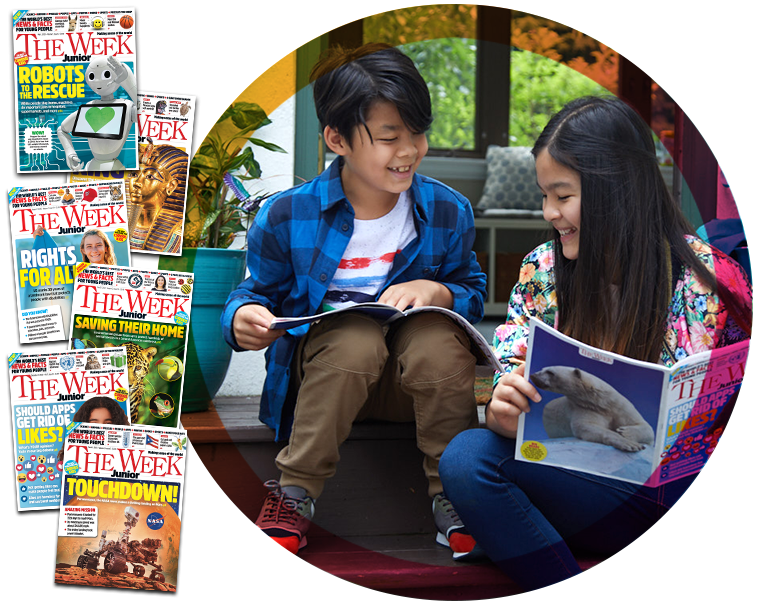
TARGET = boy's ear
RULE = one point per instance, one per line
(336, 142)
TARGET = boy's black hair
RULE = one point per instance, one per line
(347, 82)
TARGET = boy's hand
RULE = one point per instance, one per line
(416, 293)
(511, 397)
(250, 325)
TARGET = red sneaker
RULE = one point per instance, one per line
(285, 518)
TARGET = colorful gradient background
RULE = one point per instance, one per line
(702, 55)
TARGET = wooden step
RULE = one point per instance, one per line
(236, 420)
(400, 565)
(373, 524)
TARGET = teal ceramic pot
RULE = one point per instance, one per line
(217, 273)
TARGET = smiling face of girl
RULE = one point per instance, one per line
(561, 189)
(94, 249)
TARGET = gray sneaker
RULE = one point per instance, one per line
(452, 532)
(286, 515)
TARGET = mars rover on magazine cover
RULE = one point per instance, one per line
(122, 551)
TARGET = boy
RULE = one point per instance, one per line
(367, 229)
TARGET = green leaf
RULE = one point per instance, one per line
(235, 227)
(203, 162)
(227, 113)
(205, 150)
(248, 116)
(235, 163)
(210, 219)
(252, 166)
(272, 147)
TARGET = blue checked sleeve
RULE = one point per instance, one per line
(270, 272)
(460, 271)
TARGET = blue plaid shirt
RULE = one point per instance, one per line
(297, 242)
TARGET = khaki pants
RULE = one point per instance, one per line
(350, 368)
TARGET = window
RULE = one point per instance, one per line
(441, 40)
(496, 76)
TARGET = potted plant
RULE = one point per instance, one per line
(213, 218)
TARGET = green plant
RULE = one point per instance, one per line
(212, 220)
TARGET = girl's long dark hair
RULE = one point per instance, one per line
(118, 416)
(615, 295)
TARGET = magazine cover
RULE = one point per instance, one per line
(75, 89)
(53, 230)
(148, 313)
(157, 192)
(49, 392)
(86, 176)
(622, 418)
(121, 507)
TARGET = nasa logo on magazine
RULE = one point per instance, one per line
(135, 281)
(155, 521)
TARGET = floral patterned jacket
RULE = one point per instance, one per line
(697, 319)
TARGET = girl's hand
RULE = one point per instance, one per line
(511, 397)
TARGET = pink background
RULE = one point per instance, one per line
(701, 54)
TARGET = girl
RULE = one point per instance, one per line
(99, 410)
(623, 273)
(96, 248)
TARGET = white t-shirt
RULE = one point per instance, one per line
(369, 256)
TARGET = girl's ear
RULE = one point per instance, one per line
(336, 142)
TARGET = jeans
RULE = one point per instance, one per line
(527, 517)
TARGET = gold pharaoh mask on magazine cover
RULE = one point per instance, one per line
(155, 198)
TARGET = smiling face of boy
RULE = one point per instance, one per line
(377, 169)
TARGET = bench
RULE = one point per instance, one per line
(373, 524)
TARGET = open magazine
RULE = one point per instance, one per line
(386, 314)
(48, 392)
(147, 312)
(121, 507)
(53, 229)
(75, 89)
(621, 418)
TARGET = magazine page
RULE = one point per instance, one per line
(157, 212)
(147, 312)
(121, 507)
(703, 389)
(48, 392)
(75, 89)
(598, 411)
(385, 313)
(53, 229)
(379, 311)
